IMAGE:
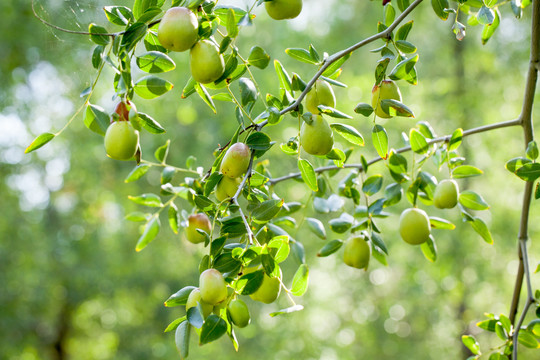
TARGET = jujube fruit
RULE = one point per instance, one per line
(446, 194)
(283, 9)
(269, 290)
(414, 226)
(121, 140)
(316, 138)
(386, 90)
(239, 313)
(178, 29)
(205, 62)
(194, 298)
(226, 188)
(197, 221)
(235, 162)
(357, 252)
(320, 94)
(212, 286)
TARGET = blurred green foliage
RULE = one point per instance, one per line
(72, 285)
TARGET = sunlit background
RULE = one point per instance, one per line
(71, 284)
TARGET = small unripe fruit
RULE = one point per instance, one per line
(239, 313)
(414, 226)
(386, 90)
(194, 298)
(446, 194)
(283, 9)
(178, 29)
(316, 138)
(213, 287)
(121, 140)
(205, 62)
(197, 221)
(357, 252)
(235, 162)
(226, 188)
(320, 94)
(269, 290)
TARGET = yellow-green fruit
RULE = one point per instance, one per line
(283, 9)
(197, 221)
(320, 94)
(178, 29)
(239, 313)
(386, 90)
(227, 187)
(414, 226)
(194, 298)
(357, 252)
(205, 62)
(121, 140)
(235, 162)
(269, 290)
(316, 138)
(446, 194)
(213, 287)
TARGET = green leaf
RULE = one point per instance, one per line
(465, 171)
(151, 229)
(232, 27)
(96, 119)
(259, 141)
(429, 249)
(380, 140)
(485, 16)
(249, 283)
(301, 55)
(532, 150)
(258, 57)
(137, 173)
(39, 142)
(172, 215)
(389, 14)
(279, 247)
(439, 223)
(404, 68)
(181, 339)
(316, 227)
(489, 29)
(472, 200)
(288, 310)
(267, 210)
(133, 34)
(455, 140)
(481, 229)
(527, 339)
(137, 216)
(372, 184)
(300, 281)
(162, 152)
(404, 30)
(203, 93)
(180, 297)
(151, 200)
(330, 248)
(396, 108)
(150, 87)
(248, 91)
(439, 6)
(471, 343)
(405, 46)
(341, 224)
(95, 34)
(378, 242)
(155, 62)
(308, 174)
(213, 328)
(284, 78)
(529, 171)
(330, 70)
(327, 110)
(195, 317)
(514, 164)
(174, 324)
(349, 133)
(363, 109)
(118, 15)
(418, 142)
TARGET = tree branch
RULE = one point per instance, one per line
(340, 54)
(445, 138)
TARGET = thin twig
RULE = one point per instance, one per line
(445, 138)
(234, 199)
